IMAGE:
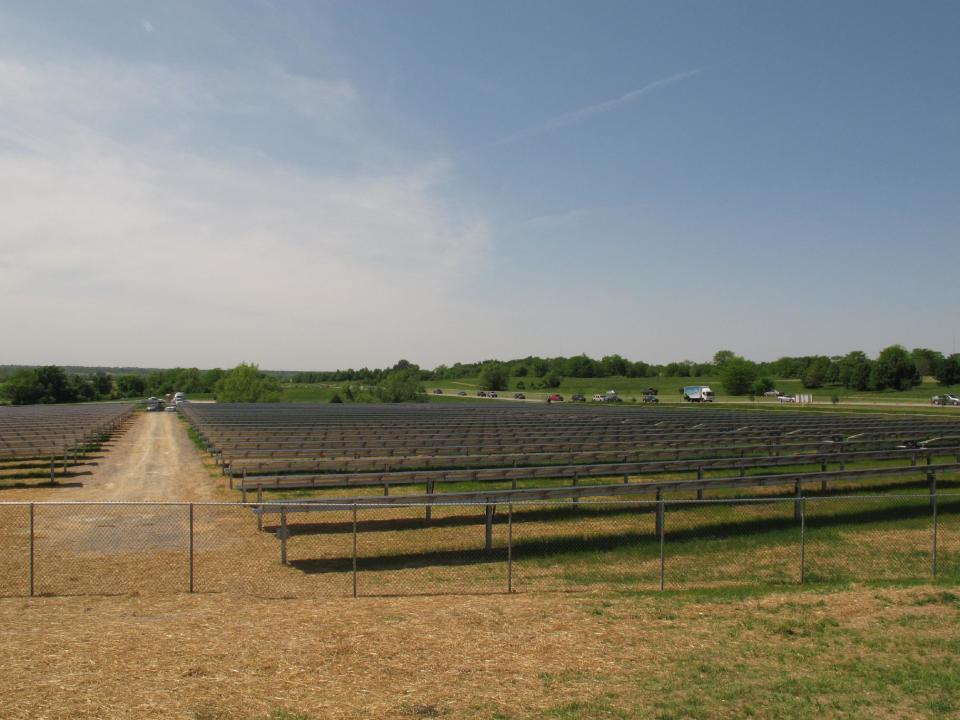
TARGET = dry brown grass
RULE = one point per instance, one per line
(523, 656)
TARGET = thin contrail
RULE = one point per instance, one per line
(575, 116)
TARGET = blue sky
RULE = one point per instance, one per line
(320, 185)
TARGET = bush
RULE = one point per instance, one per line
(521, 386)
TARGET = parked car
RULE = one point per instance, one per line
(462, 393)
(170, 408)
(578, 398)
(651, 391)
(481, 393)
(945, 399)
(556, 397)
(611, 396)
(772, 393)
(492, 393)
(519, 396)
(438, 391)
(788, 398)
(648, 398)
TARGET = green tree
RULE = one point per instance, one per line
(926, 360)
(131, 386)
(894, 369)
(246, 384)
(855, 368)
(947, 371)
(722, 357)
(23, 387)
(762, 385)
(493, 376)
(737, 375)
(817, 373)
(401, 385)
(613, 365)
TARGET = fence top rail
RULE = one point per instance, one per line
(276, 507)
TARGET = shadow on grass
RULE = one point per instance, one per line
(747, 534)
(44, 484)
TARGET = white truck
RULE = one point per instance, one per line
(698, 393)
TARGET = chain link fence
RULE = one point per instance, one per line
(303, 550)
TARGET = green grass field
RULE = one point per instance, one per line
(633, 389)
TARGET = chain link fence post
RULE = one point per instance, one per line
(661, 513)
(190, 518)
(803, 540)
(509, 548)
(354, 553)
(933, 510)
(31, 549)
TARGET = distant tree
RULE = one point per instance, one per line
(103, 384)
(762, 385)
(23, 387)
(738, 375)
(722, 357)
(581, 366)
(817, 373)
(854, 370)
(131, 386)
(894, 369)
(246, 384)
(336, 398)
(401, 385)
(552, 381)
(613, 365)
(947, 371)
(493, 376)
(926, 360)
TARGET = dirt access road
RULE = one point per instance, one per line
(152, 461)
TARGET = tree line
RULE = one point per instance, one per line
(895, 368)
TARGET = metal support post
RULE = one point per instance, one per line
(803, 540)
(429, 510)
(31, 549)
(190, 517)
(933, 508)
(658, 522)
(661, 511)
(510, 548)
(259, 507)
(797, 508)
(488, 520)
(354, 550)
(283, 532)
(576, 481)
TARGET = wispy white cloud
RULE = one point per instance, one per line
(580, 114)
(116, 242)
